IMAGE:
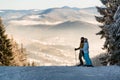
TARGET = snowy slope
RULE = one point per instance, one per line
(60, 73)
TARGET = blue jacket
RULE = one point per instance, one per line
(86, 47)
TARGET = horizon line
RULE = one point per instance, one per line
(49, 8)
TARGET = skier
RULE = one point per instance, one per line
(81, 53)
(88, 61)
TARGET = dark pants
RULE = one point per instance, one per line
(80, 57)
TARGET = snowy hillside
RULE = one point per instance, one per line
(51, 16)
(60, 73)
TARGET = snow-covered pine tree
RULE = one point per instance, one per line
(10, 53)
(110, 30)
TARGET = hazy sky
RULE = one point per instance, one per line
(43, 4)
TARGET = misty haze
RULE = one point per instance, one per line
(51, 35)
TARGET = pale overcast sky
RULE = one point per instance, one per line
(43, 4)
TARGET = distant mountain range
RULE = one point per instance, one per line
(51, 35)
(51, 16)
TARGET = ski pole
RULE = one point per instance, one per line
(75, 58)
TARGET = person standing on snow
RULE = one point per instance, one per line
(86, 53)
(81, 53)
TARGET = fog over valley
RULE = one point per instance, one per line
(51, 35)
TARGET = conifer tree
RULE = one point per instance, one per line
(10, 53)
(110, 30)
(5, 47)
(19, 55)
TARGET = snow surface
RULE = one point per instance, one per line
(1, 11)
(60, 73)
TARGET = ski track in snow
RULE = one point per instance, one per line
(60, 73)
